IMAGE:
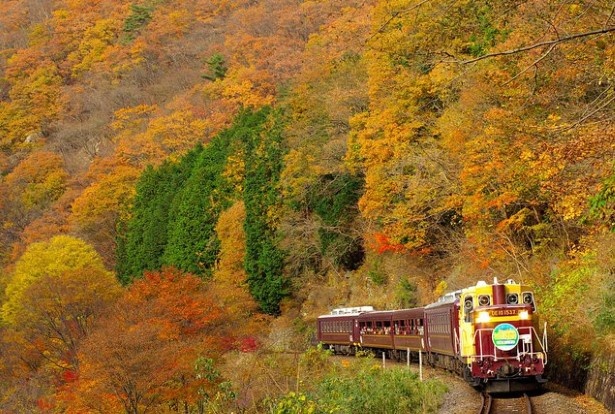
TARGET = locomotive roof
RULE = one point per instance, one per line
(448, 298)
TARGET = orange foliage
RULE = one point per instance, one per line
(382, 244)
(143, 353)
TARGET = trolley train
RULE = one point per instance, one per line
(487, 333)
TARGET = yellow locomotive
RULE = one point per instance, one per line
(500, 341)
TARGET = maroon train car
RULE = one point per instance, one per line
(340, 329)
(409, 333)
(376, 330)
(442, 332)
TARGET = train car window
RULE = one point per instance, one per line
(484, 300)
(512, 298)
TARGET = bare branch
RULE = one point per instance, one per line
(544, 55)
(609, 18)
(541, 44)
(397, 13)
(598, 109)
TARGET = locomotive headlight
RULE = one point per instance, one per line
(483, 317)
(524, 315)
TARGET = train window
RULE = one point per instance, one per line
(484, 300)
(512, 298)
(528, 299)
(468, 305)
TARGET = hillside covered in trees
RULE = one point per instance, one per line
(186, 185)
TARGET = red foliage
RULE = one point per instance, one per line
(69, 376)
(381, 244)
(249, 344)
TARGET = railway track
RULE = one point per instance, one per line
(509, 404)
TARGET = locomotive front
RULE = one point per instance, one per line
(499, 337)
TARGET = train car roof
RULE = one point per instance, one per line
(376, 314)
(343, 316)
(409, 312)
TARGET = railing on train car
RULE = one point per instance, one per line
(529, 330)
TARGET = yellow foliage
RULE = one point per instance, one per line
(178, 131)
(230, 277)
(46, 259)
(441, 288)
(93, 45)
(132, 120)
(301, 169)
(234, 170)
(107, 198)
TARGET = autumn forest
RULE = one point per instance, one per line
(185, 185)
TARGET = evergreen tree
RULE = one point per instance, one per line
(144, 239)
(192, 241)
(264, 261)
